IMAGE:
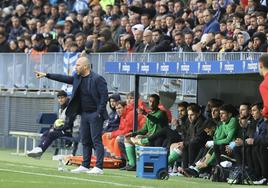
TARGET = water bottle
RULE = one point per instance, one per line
(61, 166)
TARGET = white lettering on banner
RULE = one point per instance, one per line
(145, 68)
(185, 68)
(229, 67)
(119, 67)
(138, 66)
(206, 68)
(252, 66)
(126, 68)
(164, 68)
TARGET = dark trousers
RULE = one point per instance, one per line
(164, 138)
(49, 136)
(190, 153)
(218, 150)
(261, 157)
(91, 131)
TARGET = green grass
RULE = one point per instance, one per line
(23, 172)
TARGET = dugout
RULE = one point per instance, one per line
(232, 81)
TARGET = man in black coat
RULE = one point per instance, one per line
(161, 44)
(89, 98)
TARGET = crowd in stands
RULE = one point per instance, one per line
(40, 26)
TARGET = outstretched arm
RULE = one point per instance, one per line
(57, 77)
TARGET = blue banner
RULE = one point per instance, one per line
(187, 67)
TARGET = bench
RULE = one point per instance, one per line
(26, 136)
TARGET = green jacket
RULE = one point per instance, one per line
(154, 122)
(224, 134)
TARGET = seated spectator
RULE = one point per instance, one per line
(62, 128)
(161, 44)
(51, 45)
(105, 38)
(259, 42)
(4, 47)
(211, 24)
(16, 30)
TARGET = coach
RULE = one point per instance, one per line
(89, 98)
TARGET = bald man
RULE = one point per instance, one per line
(89, 98)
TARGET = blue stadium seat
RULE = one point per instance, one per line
(45, 120)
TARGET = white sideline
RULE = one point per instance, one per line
(73, 178)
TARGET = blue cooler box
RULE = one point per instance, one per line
(151, 162)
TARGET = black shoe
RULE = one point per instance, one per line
(130, 168)
(123, 168)
(191, 172)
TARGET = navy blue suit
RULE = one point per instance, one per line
(91, 122)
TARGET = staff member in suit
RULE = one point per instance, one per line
(89, 98)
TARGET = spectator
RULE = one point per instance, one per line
(179, 42)
(62, 12)
(161, 44)
(32, 26)
(16, 30)
(259, 42)
(4, 47)
(134, 19)
(242, 41)
(38, 44)
(147, 41)
(188, 42)
(170, 22)
(13, 46)
(105, 37)
(22, 14)
(80, 40)
(87, 26)
(21, 45)
(145, 21)
(252, 28)
(51, 45)
(211, 24)
(115, 28)
(47, 11)
(129, 44)
(178, 9)
(54, 13)
(138, 36)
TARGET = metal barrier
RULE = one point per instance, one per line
(17, 70)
